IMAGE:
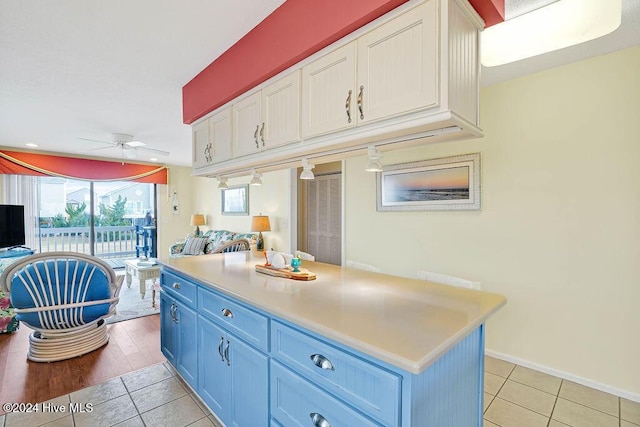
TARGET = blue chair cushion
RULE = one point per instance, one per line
(61, 281)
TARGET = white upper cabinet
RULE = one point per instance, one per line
(246, 125)
(268, 118)
(328, 92)
(220, 136)
(389, 71)
(398, 66)
(281, 112)
(200, 145)
(212, 140)
(410, 77)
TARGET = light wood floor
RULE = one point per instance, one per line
(133, 344)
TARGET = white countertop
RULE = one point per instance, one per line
(408, 323)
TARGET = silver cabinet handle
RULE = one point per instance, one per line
(360, 106)
(347, 107)
(255, 136)
(262, 134)
(176, 285)
(318, 420)
(175, 314)
(227, 313)
(207, 153)
(321, 362)
(226, 352)
(172, 313)
(220, 348)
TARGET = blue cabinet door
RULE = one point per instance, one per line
(249, 384)
(167, 329)
(187, 351)
(214, 379)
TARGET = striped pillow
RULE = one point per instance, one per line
(194, 245)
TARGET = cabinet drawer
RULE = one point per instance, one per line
(295, 401)
(372, 389)
(236, 318)
(179, 287)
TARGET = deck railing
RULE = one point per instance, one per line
(111, 242)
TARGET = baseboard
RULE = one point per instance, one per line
(564, 375)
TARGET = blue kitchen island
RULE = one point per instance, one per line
(351, 348)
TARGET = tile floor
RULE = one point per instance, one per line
(514, 397)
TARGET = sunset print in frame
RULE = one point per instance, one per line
(444, 184)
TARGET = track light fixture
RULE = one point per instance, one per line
(222, 183)
(307, 173)
(374, 164)
(256, 178)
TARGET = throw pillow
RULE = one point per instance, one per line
(194, 245)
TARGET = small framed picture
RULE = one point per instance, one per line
(235, 200)
(444, 184)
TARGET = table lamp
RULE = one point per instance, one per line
(197, 220)
(260, 223)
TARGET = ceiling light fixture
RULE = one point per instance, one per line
(222, 183)
(307, 173)
(373, 165)
(256, 178)
(153, 159)
(555, 26)
(31, 144)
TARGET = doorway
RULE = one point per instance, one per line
(320, 214)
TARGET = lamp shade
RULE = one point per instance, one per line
(260, 223)
(198, 219)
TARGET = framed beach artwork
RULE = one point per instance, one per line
(235, 200)
(444, 184)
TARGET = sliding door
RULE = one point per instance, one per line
(96, 218)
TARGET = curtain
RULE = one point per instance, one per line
(23, 163)
(23, 190)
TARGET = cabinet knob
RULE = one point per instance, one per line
(318, 420)
(227, 313)
(176, 285)
(321, 362)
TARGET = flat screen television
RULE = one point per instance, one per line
(11, 226)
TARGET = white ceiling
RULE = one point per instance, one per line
(72, 69)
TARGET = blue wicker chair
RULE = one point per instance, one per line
(65, 298)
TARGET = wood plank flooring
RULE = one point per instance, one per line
(133, 344)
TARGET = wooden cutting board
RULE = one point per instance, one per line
(286, 272)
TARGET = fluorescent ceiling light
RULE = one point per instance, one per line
(556, 26)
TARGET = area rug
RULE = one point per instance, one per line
(131, 305)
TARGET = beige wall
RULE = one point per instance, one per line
(559, 229)
(271, 198)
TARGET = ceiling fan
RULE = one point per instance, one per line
(126, 144)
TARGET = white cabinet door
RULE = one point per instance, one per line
(200, 145)
(246, 126)
(328, 98)
(398, 65)
(220, 135)
(281, 112)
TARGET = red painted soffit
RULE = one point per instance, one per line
(294, 31)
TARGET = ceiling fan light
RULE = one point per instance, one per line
(558, 25)
(135, 144)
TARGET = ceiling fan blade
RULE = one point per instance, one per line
(113, 144)
(135, 144)
(129, 154)
(153, 150)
